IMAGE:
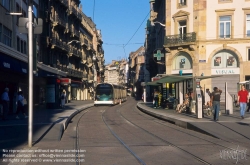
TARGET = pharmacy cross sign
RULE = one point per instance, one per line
(158, 55)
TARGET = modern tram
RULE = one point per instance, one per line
(110, 94)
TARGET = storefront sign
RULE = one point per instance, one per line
(6, 65)
(225, 71)
(65, 81)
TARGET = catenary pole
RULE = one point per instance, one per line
(30, 102)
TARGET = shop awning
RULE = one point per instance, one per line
(176, 78)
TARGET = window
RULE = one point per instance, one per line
(182, 2)
(18, 43)
(0, 32)
(24, 47)
(225, 59)
(21, 46)
(183, 29)
(248, 25)
(225, 1)
(225, 27)
(6, 4)
(248, 54)
(7, 36)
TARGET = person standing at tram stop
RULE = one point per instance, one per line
(243, 100)
(63, 98)
(156, 98)
(160, 97)
(215, 102)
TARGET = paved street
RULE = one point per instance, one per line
(180, 139)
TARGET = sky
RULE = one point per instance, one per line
(122, 24)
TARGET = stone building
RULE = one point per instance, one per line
(202, 37)
(136, 72)
(116, 72)
(68, 54)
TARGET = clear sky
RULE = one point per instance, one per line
(119, 21)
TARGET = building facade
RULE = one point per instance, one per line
(116, 72)
(136, 72)
(68, 55)
(204, 37)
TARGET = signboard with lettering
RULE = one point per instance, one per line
(226, 71)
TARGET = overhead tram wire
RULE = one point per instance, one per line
(94, 11)
(137, 29)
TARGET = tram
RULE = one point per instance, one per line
(110, 94)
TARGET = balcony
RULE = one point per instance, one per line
(90, 78)
(180, 40)
(56, 42)
(73, 10)
(84, 76)
(64, 2)
(75, 73)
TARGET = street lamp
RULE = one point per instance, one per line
(153, 23)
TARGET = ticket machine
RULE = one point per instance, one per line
(198, 99)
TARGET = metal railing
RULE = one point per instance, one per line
(180, 39)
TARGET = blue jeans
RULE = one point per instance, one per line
(216, 106)
(243, 107)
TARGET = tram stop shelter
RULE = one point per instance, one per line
(181, 80)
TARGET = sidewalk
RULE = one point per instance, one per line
(230, 127)
(48, 124)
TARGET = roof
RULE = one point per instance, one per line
(176, 78)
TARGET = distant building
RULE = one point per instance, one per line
(136, 72)
(116, 72)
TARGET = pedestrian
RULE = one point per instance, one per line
(203, 101)
(160, 97)
(5, 101)
(20, 105)
(156, 98)
(63, 98)
(243, 100)
(207, 97)
(215, 102)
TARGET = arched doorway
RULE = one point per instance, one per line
(226, 63)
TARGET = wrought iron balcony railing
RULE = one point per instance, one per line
(180, 39)
(56, 42)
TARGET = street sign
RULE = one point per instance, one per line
(23, 25)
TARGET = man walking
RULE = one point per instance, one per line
(242, 100)
(5, 101)
(215, 102)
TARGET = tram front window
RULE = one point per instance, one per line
(104, 93)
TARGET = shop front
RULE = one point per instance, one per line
(226, 64)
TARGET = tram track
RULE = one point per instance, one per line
(102, 111)
(114, 119)
(167, 142)
(136, 110)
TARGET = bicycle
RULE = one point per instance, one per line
(209, 110)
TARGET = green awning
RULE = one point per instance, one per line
(176, 78)
(153, 83)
